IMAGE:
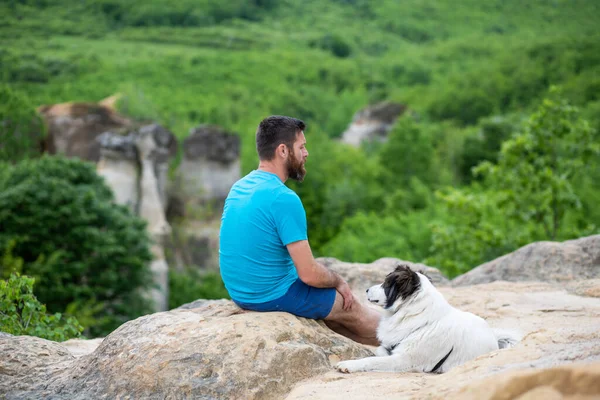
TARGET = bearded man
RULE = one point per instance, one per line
(265, 258)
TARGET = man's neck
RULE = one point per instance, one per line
(268, 166)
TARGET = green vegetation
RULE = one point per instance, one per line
(86, 253)
(21, 128)
(190, 285)
(475, 77)
(22, 314)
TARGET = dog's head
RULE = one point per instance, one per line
(398, 287)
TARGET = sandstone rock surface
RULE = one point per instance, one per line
(565, 382)
(81, 347)
(213, 351)
(573, 260)
(26, 361)
(362, 276)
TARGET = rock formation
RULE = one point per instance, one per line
(211, 163)
(119, 166)
(133, 159)
(210, 166)
(362, 276)
(74, 127)
(564, 382)
(134, 165)
(573, 260)
(212, 349)
(372, 123)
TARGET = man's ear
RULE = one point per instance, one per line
(282, 150)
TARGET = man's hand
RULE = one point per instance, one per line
(316, 275)
(346, 293)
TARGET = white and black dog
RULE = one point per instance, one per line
(421, 332)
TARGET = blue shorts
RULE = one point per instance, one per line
(300, 299)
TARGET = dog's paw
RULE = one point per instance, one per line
(347, 367)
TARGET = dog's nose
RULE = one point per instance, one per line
(367, 290)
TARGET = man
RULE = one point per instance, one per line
(265, 258)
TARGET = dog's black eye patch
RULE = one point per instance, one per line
(403, 282)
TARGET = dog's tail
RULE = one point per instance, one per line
(507, 338)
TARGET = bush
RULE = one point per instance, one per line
(334, 44)
(473, 231)
(85, 250)
(191, 285)
(485, 146)
(527, 195)
(536, 168)
(408, 153)
(22, 314)
(463, 104)
(21, 129)
(366, 237)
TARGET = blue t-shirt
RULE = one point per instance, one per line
(261, 216)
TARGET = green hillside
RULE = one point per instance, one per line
(472, 73)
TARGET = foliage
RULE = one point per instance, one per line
(536, 168)
(408, 153)
(467, 71)
(340, 181)
(190, 285)
(485, 145)
(335, 44)
(366, 237)
(473, 232)
(21, 129)
(22, 314)
(89, 253)
(529, 193)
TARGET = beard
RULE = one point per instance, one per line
(295, 168)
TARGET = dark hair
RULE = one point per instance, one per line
(274, 130)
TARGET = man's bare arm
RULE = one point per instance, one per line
(316, 275)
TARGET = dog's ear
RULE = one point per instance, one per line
(391, 291)
(401, 267)
(403, 282)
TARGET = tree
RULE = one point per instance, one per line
(485, 146)
(341, 181)
(21, 128)
(85, 251)
(409, 152)
(470, 230)
(536, 168)
(527, 195)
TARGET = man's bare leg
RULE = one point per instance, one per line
(359, 323)
(339, 328)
